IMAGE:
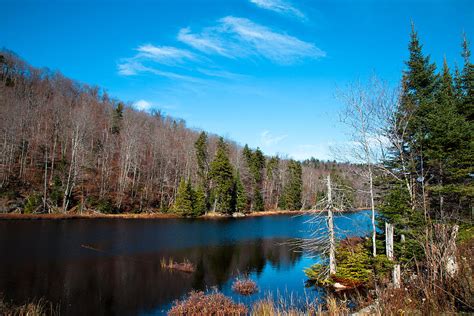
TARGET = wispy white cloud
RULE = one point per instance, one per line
(267, 139)
(149, 58)
(132, 67)
(164, 54)
(232, 37)
(206, 41)
(221, 74)
(240, 37)
(280, 6)
(172, 63)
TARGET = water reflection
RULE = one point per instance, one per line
(104, 284)
(113, 267)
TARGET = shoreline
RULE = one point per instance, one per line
(89, 215)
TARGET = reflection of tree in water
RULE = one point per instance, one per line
(224, 262)
(198, 277)
(256, 260)
(102, 283)
(220, 261)
(281, 259)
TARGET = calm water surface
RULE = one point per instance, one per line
(112, 266)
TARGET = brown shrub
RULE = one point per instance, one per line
(244, 286)
(198, 303)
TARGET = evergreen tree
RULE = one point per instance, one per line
(407, 162)
(420, 77)
(184, 199)
(419, 91)
(273, 178)
(117, 117)
(247, 154)
(457, 86)
(447, 148)
(203, 165)
(466, 106)
(293, 188)
(433, 164)
(258, 205)
(222, 174)
(256, 164)
(201, 157)
(420, 84)
(199, 201)
(240, 195)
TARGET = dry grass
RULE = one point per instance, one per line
(244, 286)
(35, 308)
(268, 307)
(425, 294)
(283, 307)
(198, 303)
(185, 266)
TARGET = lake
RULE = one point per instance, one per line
(112, 266)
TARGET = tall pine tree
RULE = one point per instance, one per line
(240, 195)
(294, 186)
(222, 175)
(255, 161)
(466, 106)
(203, 166)
(184, 199)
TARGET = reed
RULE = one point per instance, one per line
(185, 266)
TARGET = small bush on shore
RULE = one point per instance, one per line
(354, 266)
(198, 303)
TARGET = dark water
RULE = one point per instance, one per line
(122, 275)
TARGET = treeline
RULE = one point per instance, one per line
(427, 177)
(67, 146)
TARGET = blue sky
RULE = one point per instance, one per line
(262, 72)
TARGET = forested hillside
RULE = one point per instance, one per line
(67, 146)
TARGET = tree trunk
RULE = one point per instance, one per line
(45, 188)
(332, 244)
(389, 240)
(372, 205)
(396, 275)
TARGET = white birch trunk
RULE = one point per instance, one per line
(389, 240)
(332, 244)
